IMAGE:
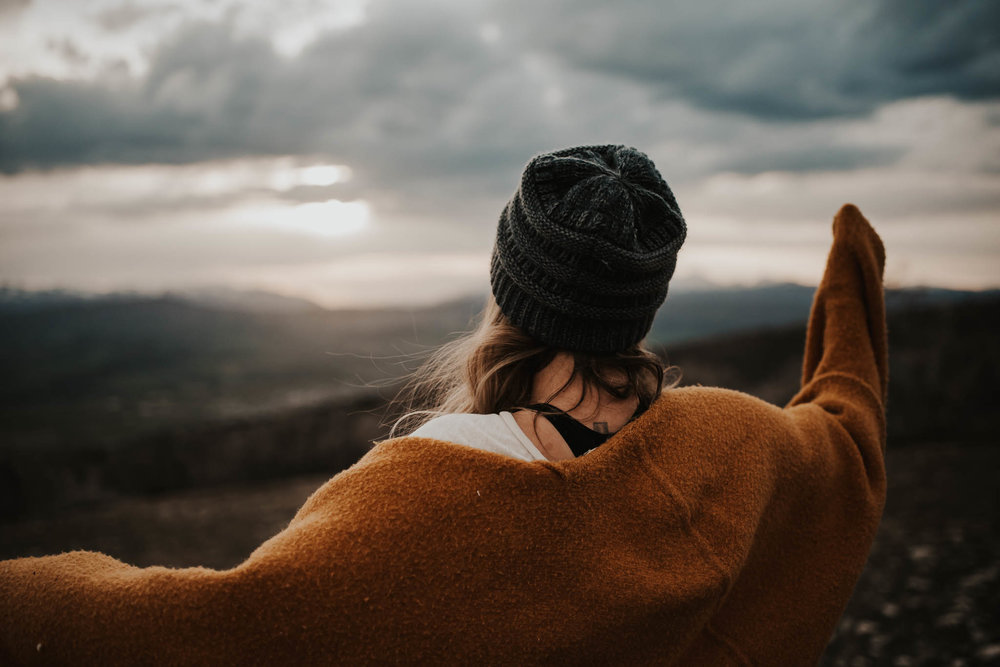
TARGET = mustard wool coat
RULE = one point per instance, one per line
(716, 529)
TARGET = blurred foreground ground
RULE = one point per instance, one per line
(929, 596)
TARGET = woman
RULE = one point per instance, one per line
(711, 529)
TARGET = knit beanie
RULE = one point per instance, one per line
(586, 247)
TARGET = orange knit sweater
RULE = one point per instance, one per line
(716, 529)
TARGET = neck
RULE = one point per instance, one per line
(595, 408)
(592, 405)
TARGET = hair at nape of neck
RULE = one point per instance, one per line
(492, 368)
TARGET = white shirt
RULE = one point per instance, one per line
(495, 433)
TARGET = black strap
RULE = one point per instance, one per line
(579, 438)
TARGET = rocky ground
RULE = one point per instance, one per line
(929, 596)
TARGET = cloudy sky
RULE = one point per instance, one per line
(358, 152)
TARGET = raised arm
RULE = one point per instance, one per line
(847, 330)
(845, 369)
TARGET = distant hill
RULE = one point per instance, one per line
(78, 370)
(248, 301)
(124, 396)
(695, 314)
(944, 367)
(82, 369)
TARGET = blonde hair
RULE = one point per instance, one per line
(491, 369)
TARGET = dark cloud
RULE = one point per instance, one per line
(428, 114)
(210, 95)
(410, 96)
(129, 14)
(782, 59)
(832, 158)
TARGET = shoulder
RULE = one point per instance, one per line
(708, 402)
(497, 433)
(443, 426)
(711, 416)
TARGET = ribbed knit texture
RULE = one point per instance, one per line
(586, 247)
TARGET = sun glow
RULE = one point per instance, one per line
(330, 218)
(324, 174)
(285, 175)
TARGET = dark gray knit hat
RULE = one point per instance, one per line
(586, 247)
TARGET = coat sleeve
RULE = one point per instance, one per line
(845, 370)
(279, 606)
(87, 608)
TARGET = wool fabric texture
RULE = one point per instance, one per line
(714, 529)
(586, 247)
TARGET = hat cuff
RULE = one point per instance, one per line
(561, 331)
